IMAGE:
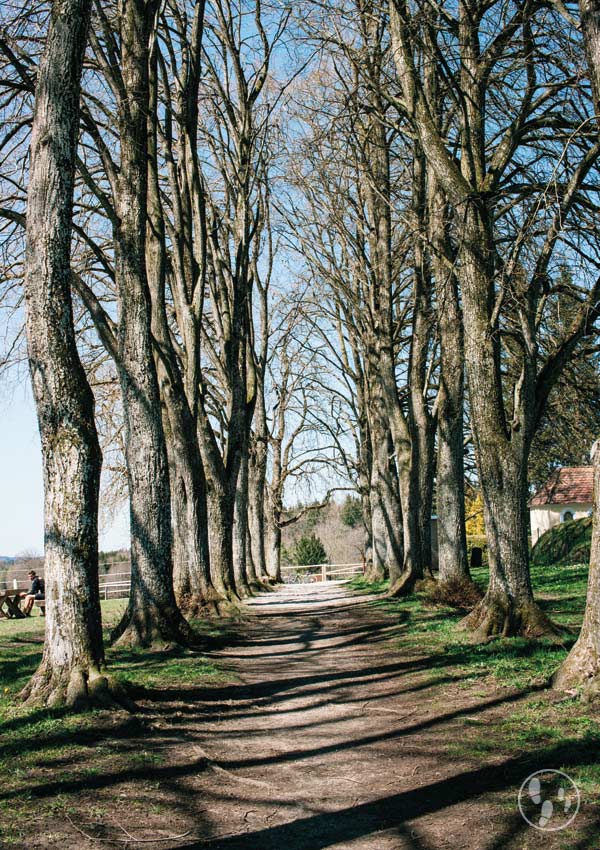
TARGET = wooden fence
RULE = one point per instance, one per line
(117, 585)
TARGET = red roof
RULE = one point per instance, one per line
(571, 484)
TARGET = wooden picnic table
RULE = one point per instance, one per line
(10, 602)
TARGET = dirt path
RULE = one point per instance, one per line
(328, 739)
(333, 741)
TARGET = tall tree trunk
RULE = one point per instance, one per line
(220, 538)
(581, 668)
(420, 420)
(192, 583)
(386, 516)
(273, 510)
(71, 668)
(408, 477)
(424, 439)
(191, 572)
(450, 480)
(257, 474)
(152, 615)
(501, 450)
(508, 607)
(256, 526)
(240, 531)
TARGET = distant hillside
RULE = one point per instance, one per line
(343, 543)
(4, 559)
(567, 543)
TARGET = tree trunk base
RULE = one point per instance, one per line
(153, 630)
(259, 586)
(80, 688)
(580, 671)
(404, 584)
(243, 591)
(273, 582)
(500, 617)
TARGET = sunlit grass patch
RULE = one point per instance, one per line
(41, 746)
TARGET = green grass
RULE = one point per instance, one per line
(35, 742)
(509, 662)
(540, 725)
(39, 744)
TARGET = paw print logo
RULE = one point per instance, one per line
(549, 800)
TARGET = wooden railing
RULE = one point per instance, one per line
(118, 585)
(324, 572)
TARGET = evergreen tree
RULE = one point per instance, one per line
(309, 550)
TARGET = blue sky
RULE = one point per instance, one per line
(21, 489)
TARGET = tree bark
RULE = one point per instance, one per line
(220, 539)
(450, 479)
(240, 531)
(386, 516)
(152, 615)
(273, 512)
(420, 421)
(72, 668)
(581, 668)
(257, 474)
(194, 592)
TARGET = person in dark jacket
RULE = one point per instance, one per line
(36, 591)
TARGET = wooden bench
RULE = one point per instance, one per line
(41, 604)
(10, 603)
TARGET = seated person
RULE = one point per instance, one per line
(36, 591)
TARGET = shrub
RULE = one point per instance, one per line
(309, 550)
(351, 513)
(458, 593)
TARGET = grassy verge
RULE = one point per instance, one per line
(537, 724)
(39, 746)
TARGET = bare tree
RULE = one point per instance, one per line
(71, 670)
(507, 236)
(152, 614)
(582, 666)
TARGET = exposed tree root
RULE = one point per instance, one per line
(260, 586)
(404, 585)
(154, 630)
(461, 593)
(244, 591)
(78, 687)
(580, 671)
(273, 581)
(214, 765)
(499, 617)
(198, 608)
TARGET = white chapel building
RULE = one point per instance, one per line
(567, 495)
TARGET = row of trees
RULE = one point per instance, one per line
(445, 202)
(433, 170)
(148, 201)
